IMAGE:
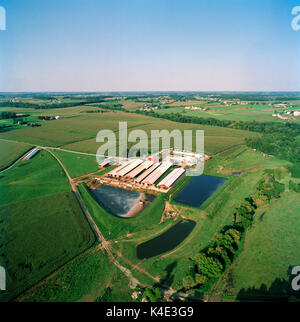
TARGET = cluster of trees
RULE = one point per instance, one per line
(46, 118)
(269, 188)
(244, 214)
(283, 145)
(113, 107)
(89, 100)
(293, 186)
(94, 111)
(295, 170)
(213, 261)
(10, 115)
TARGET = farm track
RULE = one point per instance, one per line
(103, 243)
(99, 236)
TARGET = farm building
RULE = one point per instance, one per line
(31, 154)
(146, 173)
(169, 180)
(154, 176)
(105, 163)
(113, 173)
(132, 165)
(188, 158)
(145, 165)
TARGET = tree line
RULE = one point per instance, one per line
(51, 105)
(212, 262)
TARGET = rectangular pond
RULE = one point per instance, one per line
(166, 241)
(120, 202)
(199, 189)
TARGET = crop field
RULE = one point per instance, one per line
(69, 130)
(82, 279)
(10, 152)
(37, 208)
(78, 133)
(90, 277)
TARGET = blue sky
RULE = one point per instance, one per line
(136, 45)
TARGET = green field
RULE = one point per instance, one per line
(10, 152)
(263, 270)
(78, 133)
(83, 279)
(249, 112)
(46, 242)
(41, 223)
(77, 164)
(35, 178)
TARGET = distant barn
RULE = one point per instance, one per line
(31, 154)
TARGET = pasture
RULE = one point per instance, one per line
(271, 249)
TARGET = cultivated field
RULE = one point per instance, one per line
(10, 152)
(42, 225)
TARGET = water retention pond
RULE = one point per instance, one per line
(199, 189)
(120, 202)
(166, 241)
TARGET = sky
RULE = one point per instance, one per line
(149, 45)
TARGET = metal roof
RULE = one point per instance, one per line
(132, 165)
(146, 173)
(105, 162)
(145, 165)
(154, 176)
(116, 170)
(171, 178)
(31, 153)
